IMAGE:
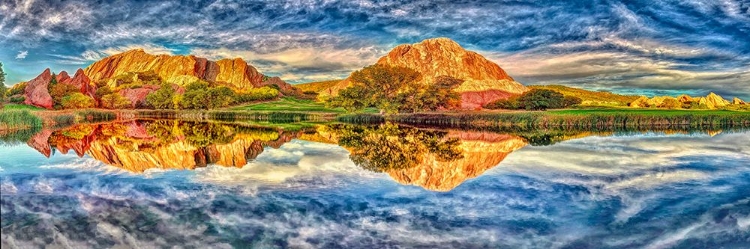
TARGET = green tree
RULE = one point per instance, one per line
(77, 101)
(2, 75)
(3, 88)
(220, 97)
(536, 99)
(162, 98)
(103, 90)
(115, 101)
(195, 96)
(376, 86)
(541, 99)
(569, 101)
(59, 91)
(440, 94)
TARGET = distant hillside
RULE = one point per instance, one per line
(591, 98)
(317, 86)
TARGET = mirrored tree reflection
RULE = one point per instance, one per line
(390, 147)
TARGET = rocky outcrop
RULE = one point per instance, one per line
(234, 73)
(483, 80)
(63, 77)
(36, 92)
(738, 101)
(711, 101)
(714, 101)
(82, 82)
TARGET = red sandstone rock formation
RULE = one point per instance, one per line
(179, 69)
(36, 92)
(484, 81)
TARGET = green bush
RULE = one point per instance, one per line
(115, 101)
(536, 99)
(17, 99)
(77, 101)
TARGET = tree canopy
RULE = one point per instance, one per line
(536, 99)
(395, 89)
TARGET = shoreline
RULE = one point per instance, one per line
(594, 119)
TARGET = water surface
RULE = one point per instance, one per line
(154, 184)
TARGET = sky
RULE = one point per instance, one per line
(653, 47)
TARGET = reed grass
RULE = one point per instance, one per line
(17, 120)
(239, 116)
(580, 121)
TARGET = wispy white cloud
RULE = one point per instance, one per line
(22, 55)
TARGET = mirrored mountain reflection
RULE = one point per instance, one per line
(434, 160)
(162, 144)
(437, 160)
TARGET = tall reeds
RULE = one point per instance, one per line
(18, 120)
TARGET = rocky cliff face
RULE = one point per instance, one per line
(36, 92)
(711, 101)
(484, 81)
(234, 73)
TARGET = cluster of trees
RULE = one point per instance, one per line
(66, 96)
(536, 99)
(395, 89)
(200, 95)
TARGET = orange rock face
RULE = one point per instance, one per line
(36, 92)
(711, 101)
(443, 57)
(234, 73)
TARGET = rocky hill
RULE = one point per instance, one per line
(179, 70)
(484, 81)
(711, 101)
(183, 69)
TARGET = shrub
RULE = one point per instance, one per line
(162, 98)
(115, 101)
(59, 91)
(536, 99)
(77, 101)
(16, 89)
(17, 99)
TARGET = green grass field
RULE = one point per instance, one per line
(21, 107)
(292, 104)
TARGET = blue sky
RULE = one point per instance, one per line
(639, 47)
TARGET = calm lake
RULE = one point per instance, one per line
(164, 183)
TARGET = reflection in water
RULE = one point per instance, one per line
(436, 160)
(165, 144)
(581, 190)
